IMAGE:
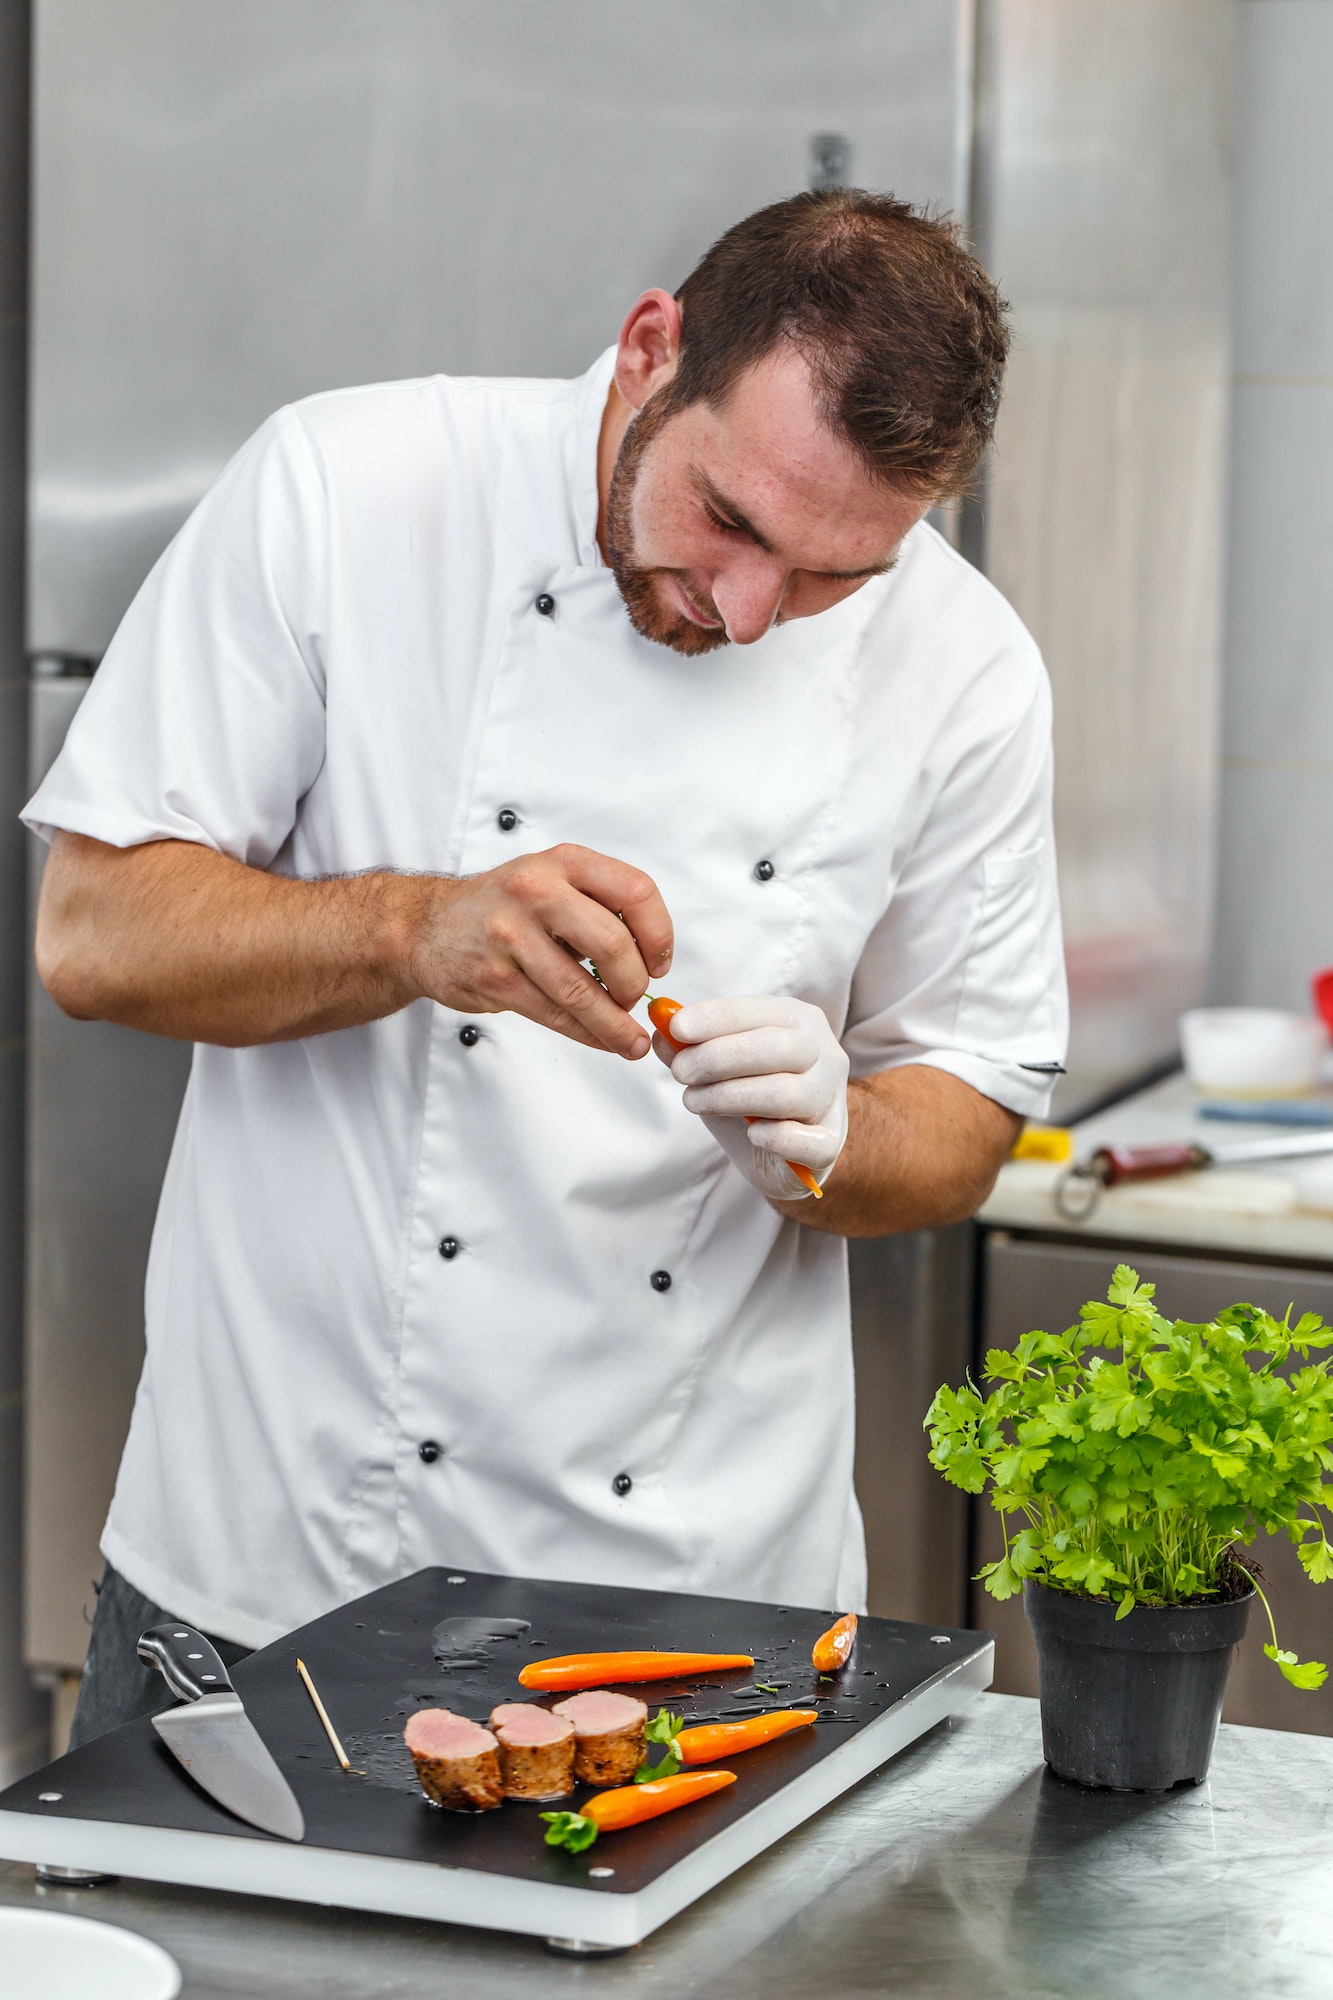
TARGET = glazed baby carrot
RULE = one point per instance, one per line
(591, 1670)
(832, 1649)
(708, 1740)
(630, 1805)
(661, 1012)
(726, 1739)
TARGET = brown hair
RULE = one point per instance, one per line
(904, 330)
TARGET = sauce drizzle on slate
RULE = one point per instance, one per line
(457, 1642)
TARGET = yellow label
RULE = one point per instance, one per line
(1043, 1142)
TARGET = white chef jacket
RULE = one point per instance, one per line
(347, 660)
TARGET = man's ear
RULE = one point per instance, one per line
(649, 347)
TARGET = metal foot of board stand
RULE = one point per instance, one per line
(583, 1948)
(72, 1878)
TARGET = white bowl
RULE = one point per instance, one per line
(1252, 1051)
(45, 1955)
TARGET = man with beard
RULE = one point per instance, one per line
(450, 692)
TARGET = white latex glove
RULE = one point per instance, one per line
(776, 1061)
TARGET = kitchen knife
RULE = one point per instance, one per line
(1114, 1164)
(211, 1736)
(1078, 1191)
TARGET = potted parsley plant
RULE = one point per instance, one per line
(1131, 1459)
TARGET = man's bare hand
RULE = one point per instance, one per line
(511, 940)
(179, 940)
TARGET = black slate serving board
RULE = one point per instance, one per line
(448, 1639)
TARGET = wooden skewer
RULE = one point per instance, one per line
(323, 1715)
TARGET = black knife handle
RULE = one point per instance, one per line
(187, 1663)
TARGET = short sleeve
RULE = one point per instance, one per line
(965, 970)
(205, 719)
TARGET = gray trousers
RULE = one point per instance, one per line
(116, 1684)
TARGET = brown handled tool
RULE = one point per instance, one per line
(1078, 1191)
(1147, 1163)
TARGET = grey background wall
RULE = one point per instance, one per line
(1102, 202)
(1275, 912)
(22, 1710)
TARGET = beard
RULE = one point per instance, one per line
(639, 585)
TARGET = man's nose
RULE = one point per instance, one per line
(748, 598)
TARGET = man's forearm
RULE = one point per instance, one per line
(922, 1150)
(182, 941)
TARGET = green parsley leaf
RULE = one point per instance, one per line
(569, 1830)
(1316, 1560)
(666, 1767)
(662, 1728)
(1301, 1673)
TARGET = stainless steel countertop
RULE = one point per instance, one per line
(962, 1869)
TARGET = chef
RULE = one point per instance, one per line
(459, 714)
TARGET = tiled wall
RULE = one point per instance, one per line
(1275, 911)
(23, 1719)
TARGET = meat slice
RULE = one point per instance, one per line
(505, 1711)
(457, 1761)
(536, 1750)
(609, 1740)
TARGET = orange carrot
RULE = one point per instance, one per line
(629, 1805)
(832, 1649)
(661, 1012)
(726, 1739)
(592, 1670)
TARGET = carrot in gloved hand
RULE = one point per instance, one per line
(661, 1012)
(833, 1649)
(591, 1670)
(629, 1805)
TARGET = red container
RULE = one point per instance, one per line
(1321, 992)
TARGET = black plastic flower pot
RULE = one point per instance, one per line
(1132, 1705)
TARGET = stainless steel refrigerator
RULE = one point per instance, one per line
(235, 206)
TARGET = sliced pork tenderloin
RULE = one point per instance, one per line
(536, 1750)
(609, 1739)
(457, 1761)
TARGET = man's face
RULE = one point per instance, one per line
(722, 523)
